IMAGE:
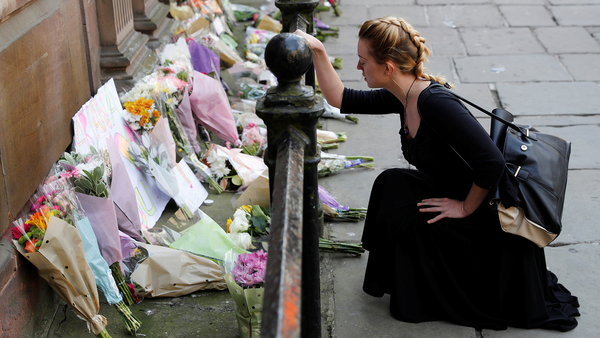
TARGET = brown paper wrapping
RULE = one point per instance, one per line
(257, 192)
(61, 262)
(172, 273)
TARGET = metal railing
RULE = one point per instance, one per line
(292, 303)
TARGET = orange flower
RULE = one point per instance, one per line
(155, 114)
(39, 218)
(30, 246)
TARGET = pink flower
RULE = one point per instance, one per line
(251, 269)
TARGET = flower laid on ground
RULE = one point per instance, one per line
(331, 163)
(184, 146)
(253, 140)
(141, 114)
(327, 245)
(222, 169)
(332, 210)
(250, 270)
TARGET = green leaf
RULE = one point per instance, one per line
(84, 183)
(259, 223)
(101, 190)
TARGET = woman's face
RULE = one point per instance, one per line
(373, 73)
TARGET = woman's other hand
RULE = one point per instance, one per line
(448, 208)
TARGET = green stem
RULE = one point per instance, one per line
(118, 276)
(131, 322)
(352, 118)
(103, 334)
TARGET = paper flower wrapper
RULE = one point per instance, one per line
(172, 273)
(61, 262)
(249, 307)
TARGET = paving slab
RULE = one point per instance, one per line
(465, 16)
(531, 15)
(582, 207)
(583, 67)
(520, 2)
(441, 65)
(345, 44)
(379, 2)
(585, 152)
(452, 2)
(352, 15)
(415, 15)
(360, 315)
(559, 121)
(478, 93)
(442, 41)
(577, 15)
(577, 268)
(574, 2)
(550, 98)
(563, 40)
(500, 41)
(510, 68)
(201, 314)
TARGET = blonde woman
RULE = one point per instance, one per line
(434, 243)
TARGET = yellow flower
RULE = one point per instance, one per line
(248, 208)
(228, 224)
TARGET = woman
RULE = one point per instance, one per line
(434, 243)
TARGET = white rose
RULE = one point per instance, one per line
(239, 224)
(243, 240)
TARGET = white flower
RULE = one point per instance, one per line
(243, 240)
(238, 225)
(146, 140)
(212, 157)
(220, 171)
(240, 213)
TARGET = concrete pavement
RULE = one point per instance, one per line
(539, 59)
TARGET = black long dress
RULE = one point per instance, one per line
(467, 271)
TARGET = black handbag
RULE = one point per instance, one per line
(531, 194)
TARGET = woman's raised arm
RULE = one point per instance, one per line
(329, 81)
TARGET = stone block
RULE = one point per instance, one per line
(583, 67)
(574, 2)
(415, 15)
(479, 94)
(345, 44)
(577, 15)
(550, 98)
(500, 41)
(442, 41)
(352, 15)
(465, 16)
(509, 68)
(440, 66)
(519, 2)
(527, 16)
(452, 2)
(562, 40)
(585, 152)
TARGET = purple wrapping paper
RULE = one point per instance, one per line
(101, 214)
(204, 60)
(123, 195)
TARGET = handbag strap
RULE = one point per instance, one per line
(492, 115)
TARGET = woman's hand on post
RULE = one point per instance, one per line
(448, 208)
(313, 42)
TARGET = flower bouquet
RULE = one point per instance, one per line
(55, 248)
(61, 193)
(334, 211)
(233, 169)
(328, 139)
(92, 188)
(249, 222)
(185, 142)
(331, 163)
(141, 114)
(246, 286)
(254, 140)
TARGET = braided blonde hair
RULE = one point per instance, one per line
(396, 40)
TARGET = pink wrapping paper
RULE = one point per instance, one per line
(161, 134)
(184, 112)
(211, 106)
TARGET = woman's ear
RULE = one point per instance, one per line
(389, 68)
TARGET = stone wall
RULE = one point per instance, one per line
(44, 80)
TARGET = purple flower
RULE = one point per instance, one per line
(251, 268)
